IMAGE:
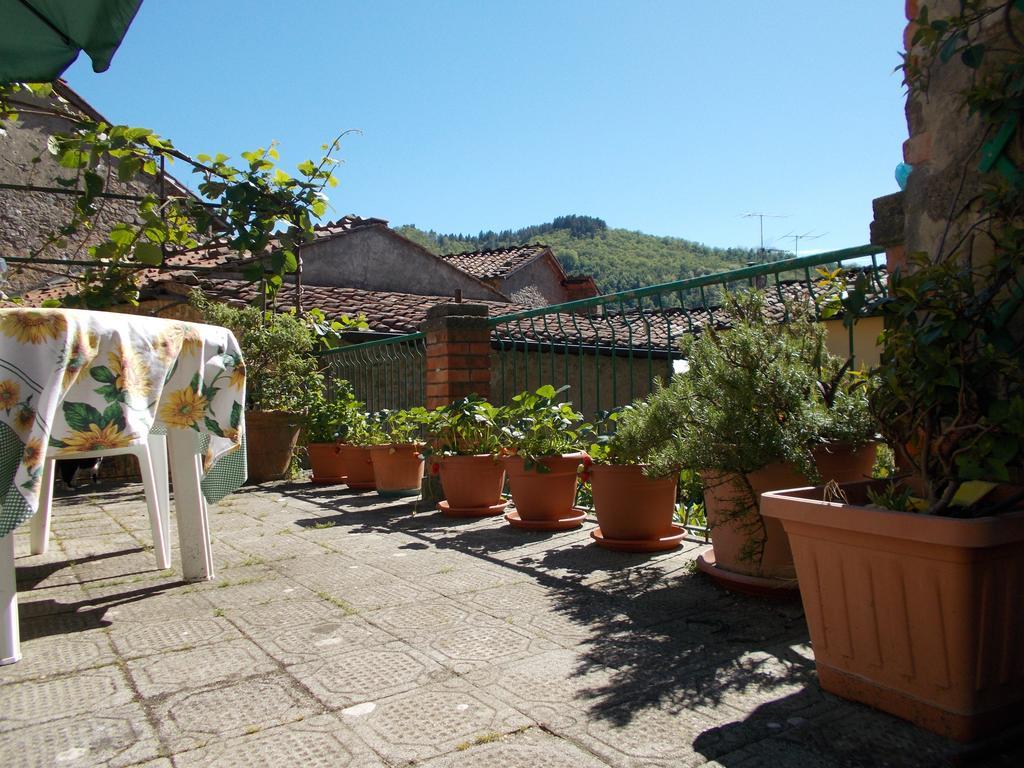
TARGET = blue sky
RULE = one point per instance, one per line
(672, 118)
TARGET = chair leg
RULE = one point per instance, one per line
(39, 528)
(158, 455)
(161, 546)
(190, 506)
(10, 646)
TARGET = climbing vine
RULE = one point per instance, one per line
(950, 394)
(254, 207)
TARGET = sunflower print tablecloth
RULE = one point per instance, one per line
(76, 380)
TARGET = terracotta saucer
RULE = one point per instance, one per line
(574, 520)
(494, 509)
(371, 486)
(328, 480)
(665, 543)
(758, 586)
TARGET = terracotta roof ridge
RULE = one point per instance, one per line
(487, 251)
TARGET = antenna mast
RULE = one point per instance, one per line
(797, 238)
(761, 217)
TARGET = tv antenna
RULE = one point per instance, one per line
(762, 217)
(797, 238)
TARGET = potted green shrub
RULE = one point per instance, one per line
(331, 420)
(634, 502)
(465, 448)
(543, 438)
(763, 405)
(930, 626)
(397, 451)
(280, 372)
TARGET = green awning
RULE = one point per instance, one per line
(39, 39)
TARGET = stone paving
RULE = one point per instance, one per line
(346, 631)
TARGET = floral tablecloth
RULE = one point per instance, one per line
(76, 380)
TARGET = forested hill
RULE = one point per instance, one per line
(618, 259)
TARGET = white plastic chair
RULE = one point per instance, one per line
(152, 458)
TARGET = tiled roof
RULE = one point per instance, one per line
(399, 313)
(659, 330)
(495, 264)
(217, 253)
(385, 311)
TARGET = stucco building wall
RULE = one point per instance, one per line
(377, 259)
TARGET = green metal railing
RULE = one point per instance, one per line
(610, 349)
(385, 373)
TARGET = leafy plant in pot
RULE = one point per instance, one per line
(763, 405)
(397, 452)
(930, 630)
(543, 436)
(331, 421)
(634, 502)
(464, 448)
(280, 369)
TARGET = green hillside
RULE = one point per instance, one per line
(618, 259)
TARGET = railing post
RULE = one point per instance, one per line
(458, 343)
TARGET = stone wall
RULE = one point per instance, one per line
(944, 140)
(28, 218)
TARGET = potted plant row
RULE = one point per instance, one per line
(542, 438)
(396, 451)
(465, 448)
(329, 422)
(634, 502)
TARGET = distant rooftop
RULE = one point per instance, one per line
(497, 263)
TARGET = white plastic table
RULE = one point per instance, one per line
(76, 381)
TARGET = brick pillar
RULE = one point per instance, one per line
(458, 352)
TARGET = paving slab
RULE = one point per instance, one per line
(318, 741)
(116, 737)
(343, 630)
(196, 717)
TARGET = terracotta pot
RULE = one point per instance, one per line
(630, 506)
(358, 467)
(397, 469)
(471, 482)
(270, 438)
(326, 462)
(726, 492)
(544, 496)
(915, 615)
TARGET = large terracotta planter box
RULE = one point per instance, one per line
(920, 616)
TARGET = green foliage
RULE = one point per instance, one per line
(251, 206)
(950, 394)
(328, 331)
(630, 435)
(756, 393)
(339, 418)
(950, 386)
(466, 427)
(618, 259)
(537, 425)
(280, 369)
(399, 427)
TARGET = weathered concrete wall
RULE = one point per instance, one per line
(537, 284)
(375, 259)
(865, 340)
